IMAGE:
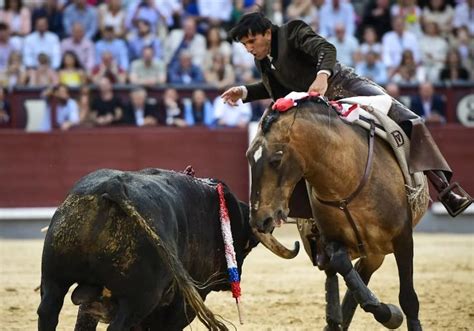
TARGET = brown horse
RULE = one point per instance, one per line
(368, 218)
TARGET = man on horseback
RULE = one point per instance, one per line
(292, 57)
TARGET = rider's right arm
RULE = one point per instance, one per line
(256, 91)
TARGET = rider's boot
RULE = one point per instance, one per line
(453, 202)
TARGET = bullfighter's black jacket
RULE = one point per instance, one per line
(297, 54)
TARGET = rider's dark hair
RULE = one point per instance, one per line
(250, 24)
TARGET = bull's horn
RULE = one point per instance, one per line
(271, 243)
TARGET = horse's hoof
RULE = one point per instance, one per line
(332, 328)
(396, 317)
(414, 325)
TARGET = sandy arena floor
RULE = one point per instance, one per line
(278, 294)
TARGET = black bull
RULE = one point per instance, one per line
(136, 242)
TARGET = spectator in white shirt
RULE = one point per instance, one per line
(464, 15)
(433, 50)
(67, 111)
(371, 42)
(188, 39)
(215, 12)
(7, 45)
(346, 45)
(41, 41)
(397, 41)
(335, 12)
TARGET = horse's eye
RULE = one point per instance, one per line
(275, 163)
(275, 160)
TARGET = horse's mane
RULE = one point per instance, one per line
(271, 115)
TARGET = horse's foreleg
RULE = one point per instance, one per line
(333, 306)
(403, 250)
(365, 267)
(389, 315)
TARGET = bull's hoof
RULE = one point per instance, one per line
(396, 317)
(414, 325)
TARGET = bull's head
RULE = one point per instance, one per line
(276, 168)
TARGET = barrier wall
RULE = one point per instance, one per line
(38, 169)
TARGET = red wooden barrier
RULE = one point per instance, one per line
(38, 169)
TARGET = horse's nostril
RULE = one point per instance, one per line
(267, 223)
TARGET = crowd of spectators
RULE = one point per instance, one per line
(71, 44)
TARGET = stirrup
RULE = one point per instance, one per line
(451, 187)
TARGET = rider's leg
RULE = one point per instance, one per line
(425, 155)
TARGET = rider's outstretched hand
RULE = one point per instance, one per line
(232, 95)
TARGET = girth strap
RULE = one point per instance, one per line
(344, 203)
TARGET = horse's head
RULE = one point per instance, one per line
(276, 168)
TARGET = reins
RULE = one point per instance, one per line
(343, 204)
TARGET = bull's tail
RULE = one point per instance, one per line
(116, 193)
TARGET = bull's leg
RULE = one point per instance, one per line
(173, 317)
(365, 267)
(132, 311)
(389, 315)
(85, 321)
(403, 250)
(333, 306)
(52, 299)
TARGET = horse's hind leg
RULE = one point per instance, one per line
(403, 250)
(389, 315)
(365, 267)
(52, 299)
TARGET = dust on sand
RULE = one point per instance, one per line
(279, 294)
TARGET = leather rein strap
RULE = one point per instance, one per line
(344, 203)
